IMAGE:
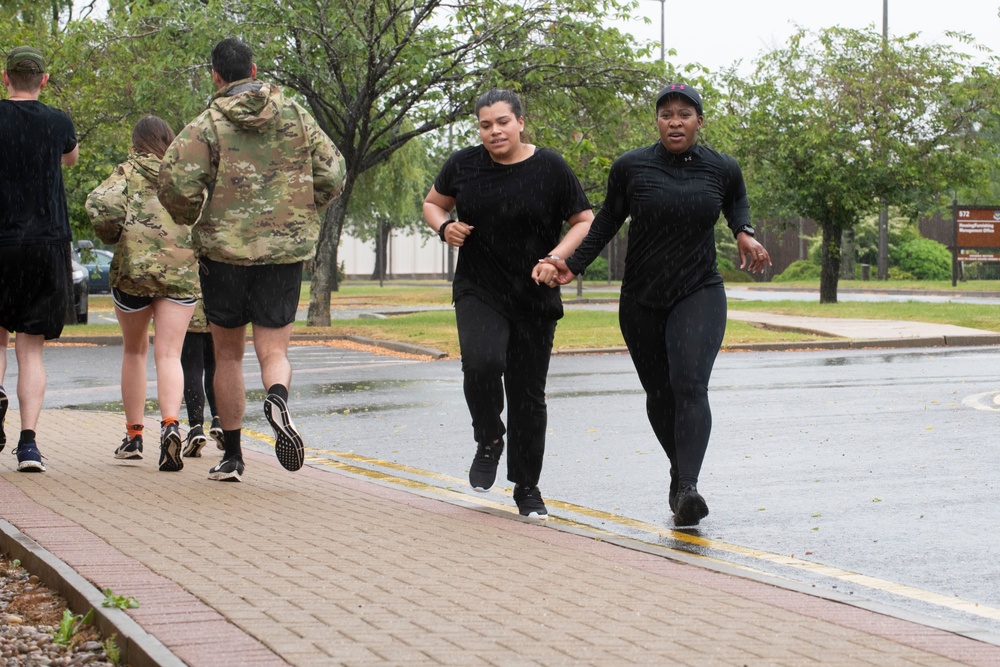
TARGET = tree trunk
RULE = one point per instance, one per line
(381, 270)
(830, 272)
(324, 277)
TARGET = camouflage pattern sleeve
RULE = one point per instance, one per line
(106, 206)
(187, 172)
(329, 170)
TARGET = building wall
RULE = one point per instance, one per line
(411, 255)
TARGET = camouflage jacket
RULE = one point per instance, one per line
(251, 173)
(153, 254)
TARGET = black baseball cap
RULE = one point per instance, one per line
(683, 90)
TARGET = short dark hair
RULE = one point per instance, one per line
(26, 82)
(232, 60)
(152, 135)
(494, 95)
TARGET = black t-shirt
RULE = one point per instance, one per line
(674, 202)
(517, 211)
(33, 139)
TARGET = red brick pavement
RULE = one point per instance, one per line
(322, 568)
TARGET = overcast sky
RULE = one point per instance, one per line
(716, 33)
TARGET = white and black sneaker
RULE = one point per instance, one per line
(483, 471)
(529, 502)
(287, 441)
(228, 470)
(196, 441)
(217, 434)
(170, 448)
(131, 448)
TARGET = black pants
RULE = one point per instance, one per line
(508, 357)
(198, 362)
(673, 352)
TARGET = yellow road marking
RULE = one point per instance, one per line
(902, 590)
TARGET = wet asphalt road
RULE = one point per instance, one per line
(874, 463)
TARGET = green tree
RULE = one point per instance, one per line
(839, 121)
(377, 74)
(390, 196)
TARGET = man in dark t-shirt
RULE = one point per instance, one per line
(35, 276)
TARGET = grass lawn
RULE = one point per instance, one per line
(585, 329)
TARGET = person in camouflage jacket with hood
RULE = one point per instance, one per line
(251, 174)
(154, 277)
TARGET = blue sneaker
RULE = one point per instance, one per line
(29, 459)
(3, 414)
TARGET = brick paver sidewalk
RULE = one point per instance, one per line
(321, 568)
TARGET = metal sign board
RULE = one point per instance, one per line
(978, 257)
(977, 227)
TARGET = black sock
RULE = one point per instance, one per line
(231, 441)
(280, 390)
(26, 436)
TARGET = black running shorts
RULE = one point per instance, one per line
(130, 303)
(36, 282)
(266, 295)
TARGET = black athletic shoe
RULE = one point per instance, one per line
(287, 441)
(131, 448)
(170, 449)
(29, 459)
(691, 507)
(672, 497)
(4, 402)
(196, 440)
(483, 471)
(529, 502)
(216, 432)
(228, 470)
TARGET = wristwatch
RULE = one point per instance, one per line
(745, 228)
(555, 257)
(441, 228)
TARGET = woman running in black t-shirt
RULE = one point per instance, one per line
(673, 305)
(512, 199)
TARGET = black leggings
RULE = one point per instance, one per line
(673, 352)
(198, 362)
(501, 356)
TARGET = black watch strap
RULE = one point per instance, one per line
(441, 228)
(745, 228)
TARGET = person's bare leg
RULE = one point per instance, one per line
(170, 321)
(4, 342)
(230, 392)
(271, 346)
(135, 348)
(30, 378)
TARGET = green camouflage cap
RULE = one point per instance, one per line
(25, 59)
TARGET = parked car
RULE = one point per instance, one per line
(81, 293)
(98, 265)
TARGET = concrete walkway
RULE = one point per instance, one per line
(320, 567)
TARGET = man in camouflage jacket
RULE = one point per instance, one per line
(251, 173)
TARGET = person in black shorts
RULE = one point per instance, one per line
(154, 278)
(673, 305)
(35, 275)
(251, 174)
(512, 199)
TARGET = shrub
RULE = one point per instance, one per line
(598, 270)
(925, 259)
(799, 270)
(725, 264)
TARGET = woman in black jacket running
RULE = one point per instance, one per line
(673, 305)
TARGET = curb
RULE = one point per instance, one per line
(138, 647)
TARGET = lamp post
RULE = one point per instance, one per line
(883, 214)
